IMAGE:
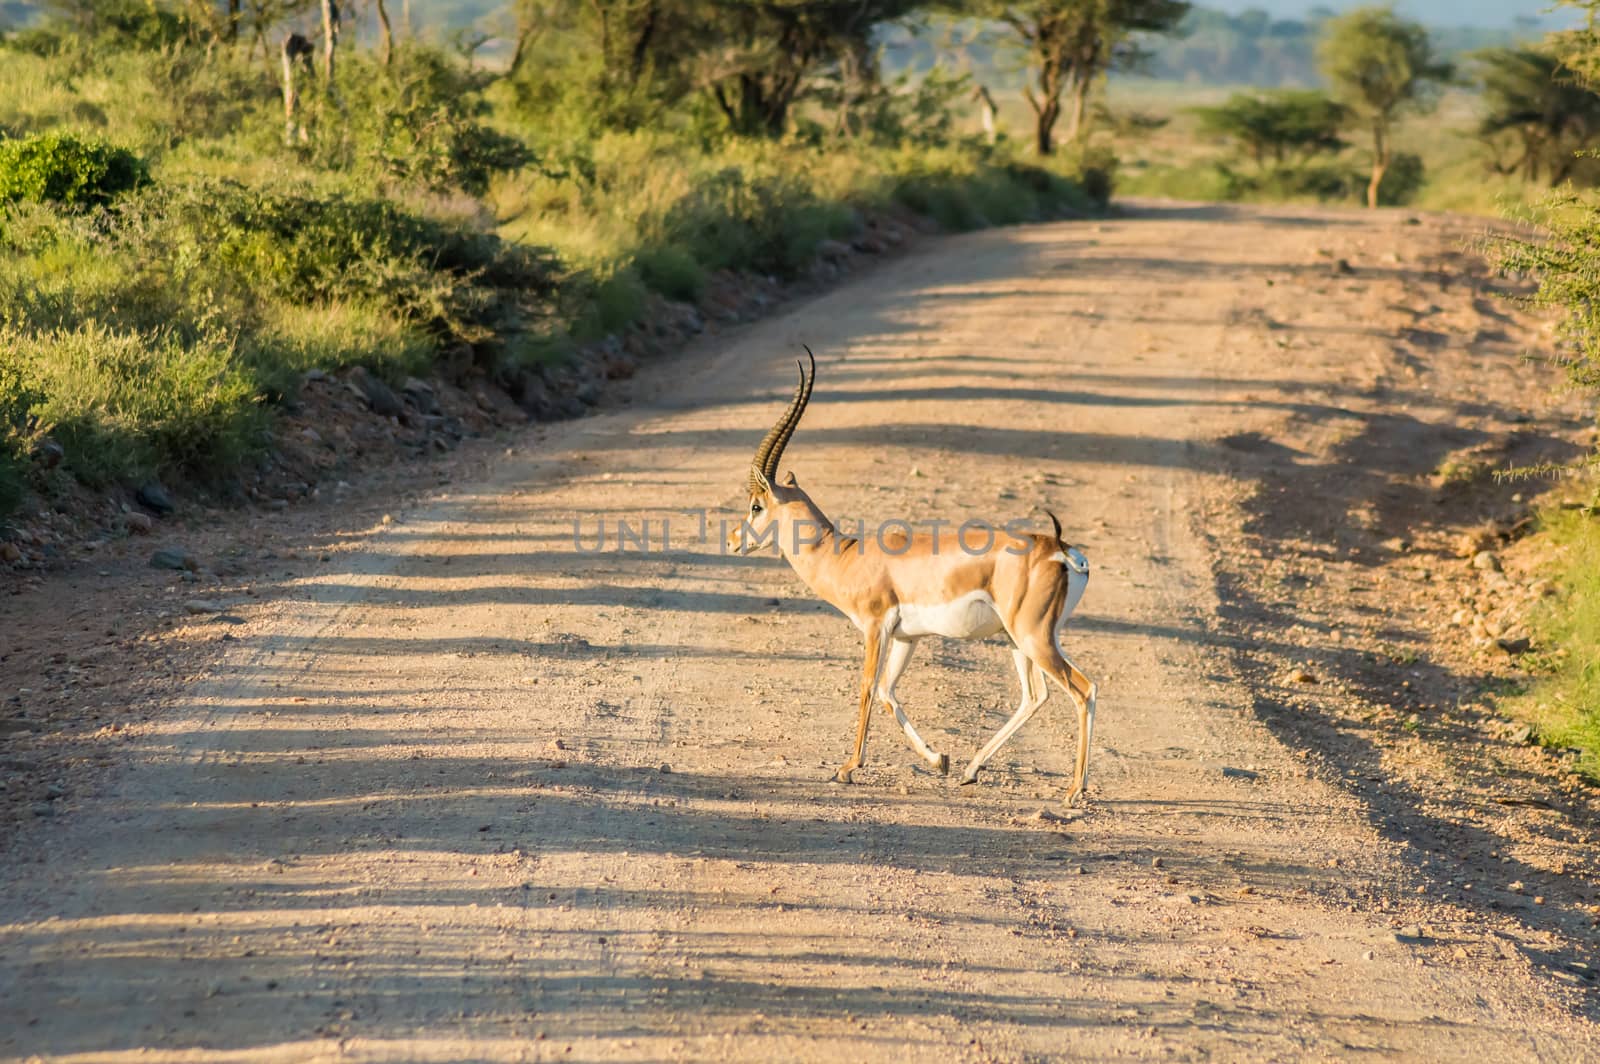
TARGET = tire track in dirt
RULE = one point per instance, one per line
(361, 840)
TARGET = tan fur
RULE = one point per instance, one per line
(1024, 576)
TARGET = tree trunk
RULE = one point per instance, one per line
(1380, 163)
(1077, 127)
(1044, 126)
(387, 34)
(330, 39)
(233, 21)
(987, 113)
(291, 99)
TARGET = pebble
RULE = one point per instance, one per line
(154, 497)
(666, 769)
(9, 552)
(173, 559)
(1156, 862)
(43, 809)
(1302, 676)
(202, 606)
(1487, 561)
(143, 524)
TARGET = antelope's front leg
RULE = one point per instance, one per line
(869, 682)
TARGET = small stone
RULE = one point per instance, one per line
(48, 453)
(1523, 734)
(1517, 645)
(1367, 956)
(557, 744)
(174, 558)
(142, 524)
(833, 250)
(1229, 772)
(421, 394)
(10, 553)
(42, 809)
(1486, 561)
(379, 396)
(666, 769)
(1303, 676)
(154, 497)
(1157, 862)
(198, 606)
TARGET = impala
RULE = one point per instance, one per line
(898, 588)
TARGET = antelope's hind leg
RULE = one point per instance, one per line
(895, 661)
(1034, 693)
(1083, 694)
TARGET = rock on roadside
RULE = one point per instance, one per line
(174, 558)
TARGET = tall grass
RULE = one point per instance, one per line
(1564, 702)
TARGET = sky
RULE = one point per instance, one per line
(1487, 13)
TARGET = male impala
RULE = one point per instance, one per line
(898, 588)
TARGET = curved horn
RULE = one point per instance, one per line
(797, 408)
(764, 465)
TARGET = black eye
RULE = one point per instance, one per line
(755, 507)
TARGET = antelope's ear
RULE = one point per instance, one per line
(759, 484)
(789, 481)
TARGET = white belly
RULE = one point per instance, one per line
(972, 616)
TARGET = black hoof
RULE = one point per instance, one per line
(944, 764)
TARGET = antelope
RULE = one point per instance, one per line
(898, 588)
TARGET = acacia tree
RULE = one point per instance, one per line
(1380, 65)
(1071, 43)
(1531, 99)
(1283, 126)
(757, 56)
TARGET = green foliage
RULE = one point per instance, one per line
(671, 270)
(419, 120)
(1563, 256)
(1564, 701)
(1280, 127)
(124, 404)
(1378, 63)
(66, 169)
(1535, 107)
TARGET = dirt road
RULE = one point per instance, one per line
(475, 793)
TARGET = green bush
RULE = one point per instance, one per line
(672, 271)
(12, 483)
(1402, 181)
(419, 120)
(66, 169)
(1564, 702)
(126, 404)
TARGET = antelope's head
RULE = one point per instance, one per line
(766, 494)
